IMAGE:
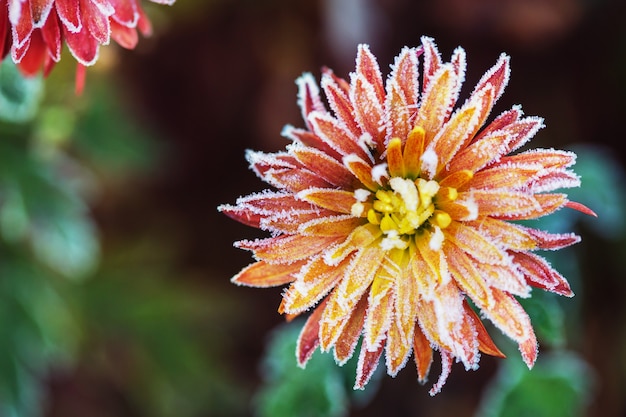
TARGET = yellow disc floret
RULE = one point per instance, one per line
(403, 207)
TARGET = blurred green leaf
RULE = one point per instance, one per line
(167, 332)
(560, 385)
(19, 95)
(68, 244)
(547, 317)
(44, 206)
(37, 328)
(109, 137)
(322, 389)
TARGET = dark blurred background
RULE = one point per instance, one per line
(158, 327)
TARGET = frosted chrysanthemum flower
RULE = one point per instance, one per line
(35, 30)
(391, 218)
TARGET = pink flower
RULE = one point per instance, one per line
(38, 29)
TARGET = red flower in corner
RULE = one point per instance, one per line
(34, 30)
(392, 216)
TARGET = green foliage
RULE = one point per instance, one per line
(63, 301)
(559, 385)
(165, 331)
(322, 389)
(19, 95)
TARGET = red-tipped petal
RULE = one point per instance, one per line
(39, 10)
(308, 341)
(347, 341)
(580, 207)
(96, 22)
(539, 273)
(368, 362)
(83, 46)
(485, 343)
(69, 13)
(423, 354)
(126, 12)
(125, 36)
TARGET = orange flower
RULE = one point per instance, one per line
(40, 27)
(393, 214)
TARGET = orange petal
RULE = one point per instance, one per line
(339, 225)
(323, 165)
(580, 207)
(509, 316)
(360, 237)
(397, 348)
(313, 282)
(308, 96)
(361, 170)
(471, 241)
(458, 131)
(336, 90)
(295, 179)
(423, 354)
(262, 274)
(395, 162)
(504, 277)
(446, 367)
(368, 109)
(367, 94)
(547, 158)
(368, 362)
(509, 176)
(335, 134)
(308, 341)
(347, 341)
(485, 343)
(308, 138)
(398, 111)
(467, 276)
(379, 313)
(406, 72)
(413, 149)
(437, 99)
(434, 259)
(290, 221)
(286, 248)
(515, 205)
(432, 60)
(552, 241)
(496, 140)
(508, 235)
(359, 276)
(336, 200)
(497, 76)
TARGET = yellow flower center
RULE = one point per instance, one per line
(402, 208)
